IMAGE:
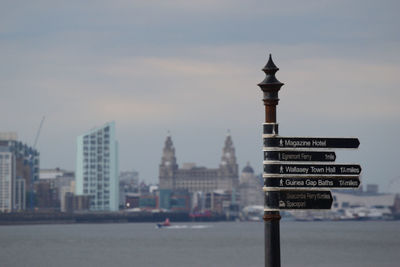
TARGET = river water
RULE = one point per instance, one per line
(200, 244)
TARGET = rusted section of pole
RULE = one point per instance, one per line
(272, 216)
(270, 111)
(270, 87)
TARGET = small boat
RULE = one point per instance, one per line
(164, 224)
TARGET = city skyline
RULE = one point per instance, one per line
(193, 69)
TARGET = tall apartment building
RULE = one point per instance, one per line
(19, 169)
(7, 177)
(97, 168)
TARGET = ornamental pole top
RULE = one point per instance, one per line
(270, 83)
(270, 86)
(270, 67)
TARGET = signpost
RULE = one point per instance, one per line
(270, 87)
(273, 169)
(310, 142)
(296, 169)
(301, 155)
(313, 182)
(295, 199)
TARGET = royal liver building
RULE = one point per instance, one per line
(194, 179)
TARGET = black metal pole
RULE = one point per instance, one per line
(272, 239)
(270, 86)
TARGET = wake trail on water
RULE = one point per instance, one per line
(199, 226)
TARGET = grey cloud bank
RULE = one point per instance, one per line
(192, 68)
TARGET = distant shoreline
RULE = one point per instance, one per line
(99, 217)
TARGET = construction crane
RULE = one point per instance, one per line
(31, 200)
(38, 132)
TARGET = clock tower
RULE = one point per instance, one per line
(228, 167)
(168, 166)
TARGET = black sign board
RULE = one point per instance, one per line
(312, 169)
(295, 199)
(312, 182)
(310, 142)
(282, 155)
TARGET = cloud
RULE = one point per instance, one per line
(207, 80)
(193, 68)
(344, 88)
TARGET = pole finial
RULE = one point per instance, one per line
(270, 86)
(270, 67)
(270, 82)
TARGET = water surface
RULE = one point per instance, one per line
(200, 244)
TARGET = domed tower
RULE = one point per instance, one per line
(249, 188)
(168, 166)
(247, 174)
(228, 168)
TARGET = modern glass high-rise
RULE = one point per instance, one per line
(19, 169)
(97, 168)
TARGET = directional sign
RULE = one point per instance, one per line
(310, 142)
(313, 182)
(295, 199)
(311, 169)
(282, 155)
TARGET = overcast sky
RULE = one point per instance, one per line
(192, 67)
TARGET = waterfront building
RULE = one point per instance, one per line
(7, 176)
(47, 195)
(55, 173)
(128, 184)
(250, 188)
(212, 189)
(19, 169)
(193, 178)
(97, 168)
(178, 200)
(148, 202)
(19, 195)
(365, 206)
(52, 187)
(131, 200)
(345, 200)
(222, 202)
(66, 190)
(73, 203)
